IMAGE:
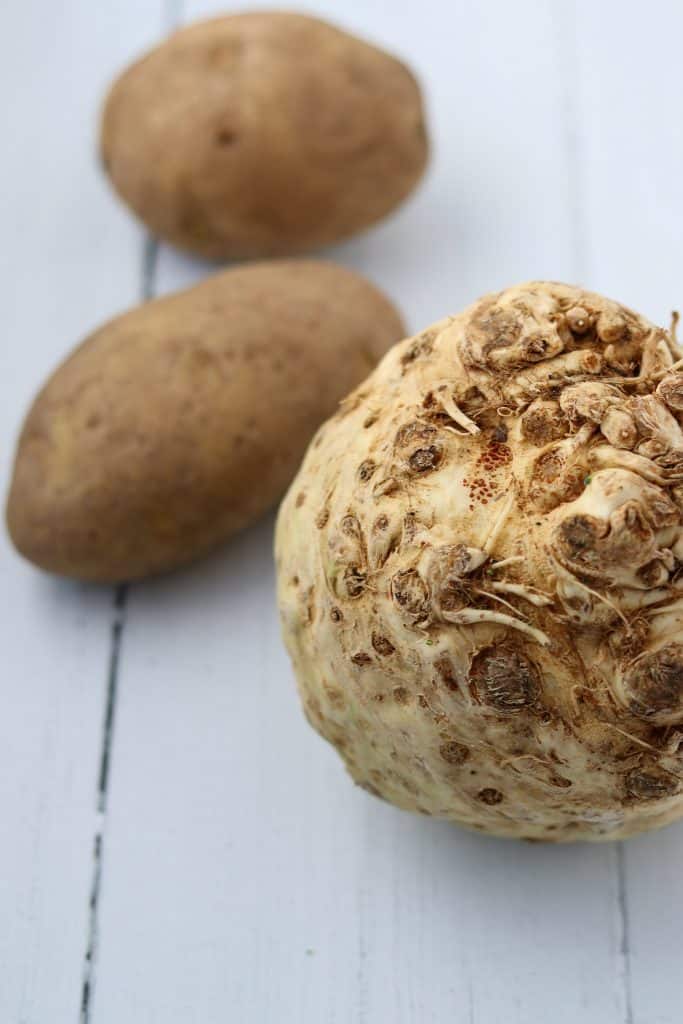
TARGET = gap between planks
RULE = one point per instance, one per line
(624, 938)
(149, 261)
(171, 16)
(565, 28)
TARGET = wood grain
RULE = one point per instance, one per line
(69, 259)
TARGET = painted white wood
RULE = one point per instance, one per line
(245, 878)
(627, 82)
(629, 78)
(69, 257)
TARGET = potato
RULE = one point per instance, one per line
(480, 570)
(183, 420)
(263, 135)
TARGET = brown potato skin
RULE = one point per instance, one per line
(263, 134)
(181, 421)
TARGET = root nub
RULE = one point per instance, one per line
(650, 784)
(505, 679)
(654, 686)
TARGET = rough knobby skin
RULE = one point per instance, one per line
(482, 591)
(182, 421)
(263, 134)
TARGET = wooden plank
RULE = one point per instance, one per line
(627, 79)
(245, 877)
(70, 257)
(628, 68)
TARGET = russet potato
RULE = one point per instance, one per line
(183, 420)
(263, 134)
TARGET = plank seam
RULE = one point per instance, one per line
(150, 253)
(172, 11)
(624, 936)
(568, 61)
(120, 598)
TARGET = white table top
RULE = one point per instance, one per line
(225, 869)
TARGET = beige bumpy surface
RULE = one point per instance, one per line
(479, 570)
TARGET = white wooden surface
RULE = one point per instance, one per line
(223, 868)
